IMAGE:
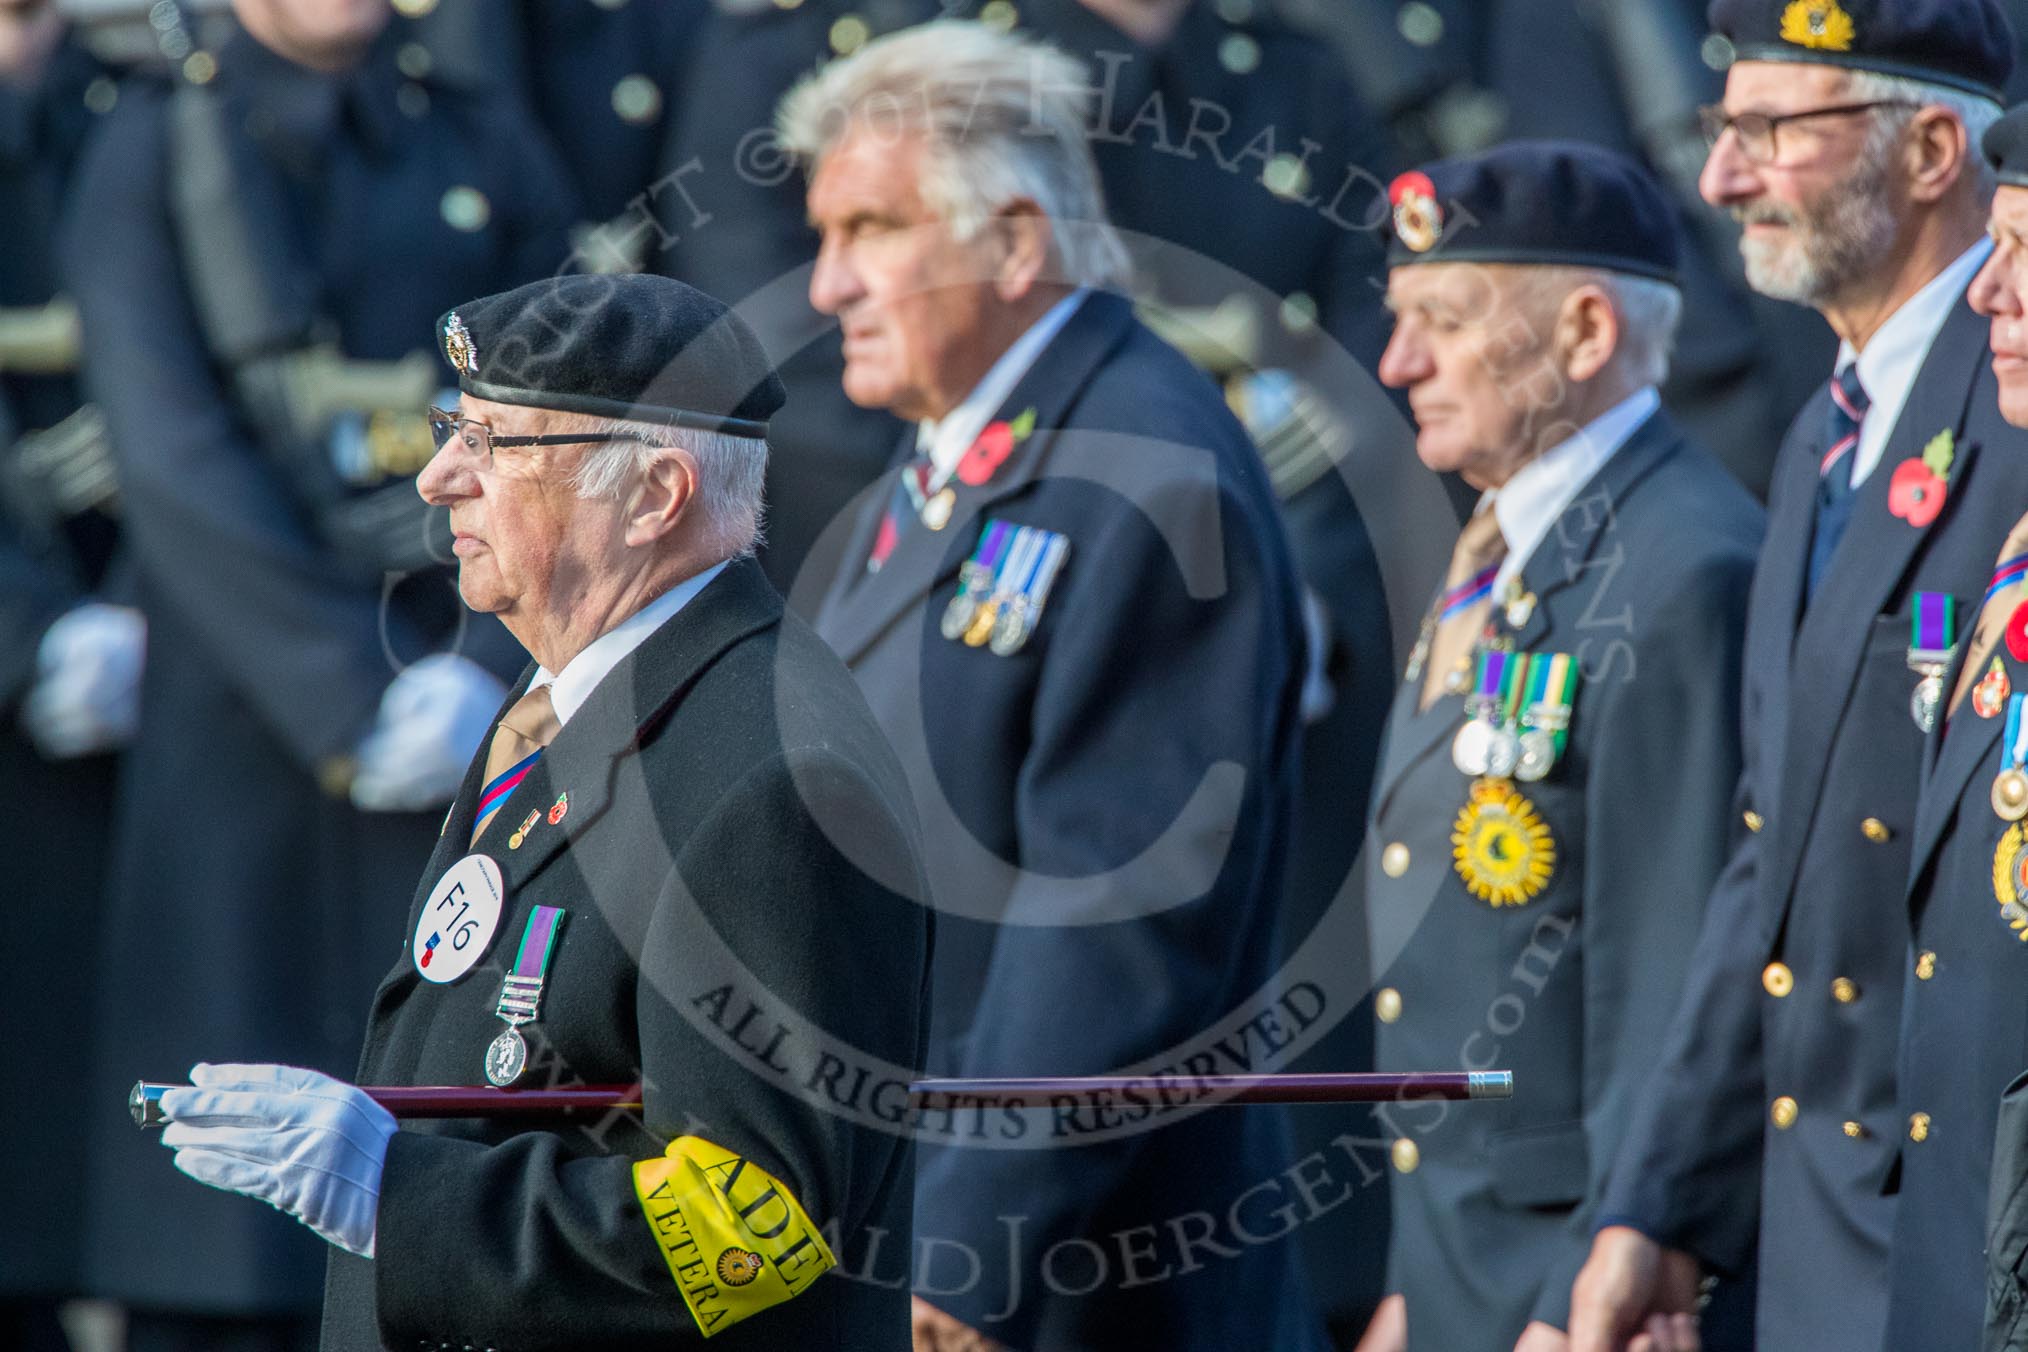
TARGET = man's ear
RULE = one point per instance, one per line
(1587, 333)
(1937, 154)
(662, 498)
(1028, 238)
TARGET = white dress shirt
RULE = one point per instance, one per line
(949, 437)
(1529, 503)
(572, 686)
(1894, 355)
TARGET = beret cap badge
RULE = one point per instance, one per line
(1418, 219)
(459, 347)
(1818, 24)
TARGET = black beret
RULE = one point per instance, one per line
(645, 348)
(2006, 147)
(1966, 44)
(1557, 202)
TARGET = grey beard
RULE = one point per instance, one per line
(1835, 245)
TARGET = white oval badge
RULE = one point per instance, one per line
(458, 920)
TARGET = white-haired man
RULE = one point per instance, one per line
(1072, 609)
(685, 815)
(1847, 148)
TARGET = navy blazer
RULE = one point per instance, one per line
(1103, 813)
(1773, 1108)
(1964, 1032)
(1643, 580)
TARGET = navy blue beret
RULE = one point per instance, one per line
(644, 348)
(1558, 202)
(1966, 44)
(2006, 147)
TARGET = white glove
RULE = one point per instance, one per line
(432, 721)
(87, 691)
(302, 1142)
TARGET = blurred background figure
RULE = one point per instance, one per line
(70, 655)
(1248, 179)
(1107, 868)
(729, 207)
(259, 241)
(1456, 76)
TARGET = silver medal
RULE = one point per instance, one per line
(1503, 753)
(1010, 627)
(506, 1057)
(1470, 747)
(1927, 701)
(1538, 755)
(958, 617)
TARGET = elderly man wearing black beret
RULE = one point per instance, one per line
(1563, 747)
(683, 859)
(1774, 1138)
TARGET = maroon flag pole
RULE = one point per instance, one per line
(443, 1100)
(1177, 1090)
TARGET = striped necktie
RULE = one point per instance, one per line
(904, 507)
(1466, 601)
(517, 744)
(1835, 489)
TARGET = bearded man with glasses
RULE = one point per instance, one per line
(1770, 1140)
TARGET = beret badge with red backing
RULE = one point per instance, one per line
(1418, 219)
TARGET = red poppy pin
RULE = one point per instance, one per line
(1920, 483)
(994, 445)
(2017, 633)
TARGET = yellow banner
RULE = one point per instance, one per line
(736, 1240)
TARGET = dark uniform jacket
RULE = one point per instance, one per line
(728, 794)
(1773, 1107)
(1964, 1023)
(55, 836)
(2006, 1264)
(244, 896)
(1643, 580)
(1104, 813)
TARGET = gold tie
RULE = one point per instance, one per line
(526, 728)
(1994, 613)
(1467, 599)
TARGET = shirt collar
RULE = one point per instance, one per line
(571, 687)
(1894, 355)
(1529, 503)
(949, 437)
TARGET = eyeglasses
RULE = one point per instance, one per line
(480, 440)
(1756, 131)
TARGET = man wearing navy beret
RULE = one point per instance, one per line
(1773, 1137)
(1563, 747)
(684, 857)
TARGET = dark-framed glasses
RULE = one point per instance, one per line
(1758, 132)
(477, 439)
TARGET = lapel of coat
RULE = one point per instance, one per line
(1831, 639)
(862, 606)
(622, 713)
(1564, 555)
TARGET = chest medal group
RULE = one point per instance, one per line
(1518, 710)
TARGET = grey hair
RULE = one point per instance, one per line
(731, 472)
(1649, 310)
(1974, 112)
(1005, 118)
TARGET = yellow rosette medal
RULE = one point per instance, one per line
(1500, 845)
